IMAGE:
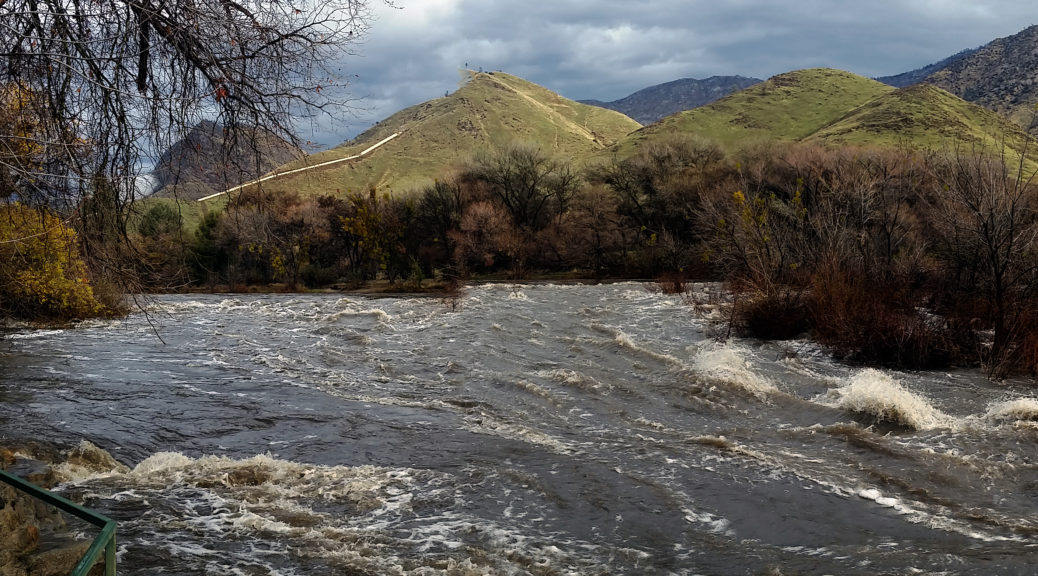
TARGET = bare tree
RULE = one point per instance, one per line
(109, 81)
(986, 219)
(92, 90)
(532, 186)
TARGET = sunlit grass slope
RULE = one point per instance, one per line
(928, 117)
(489, 110)
(790, 106)
(836, 107)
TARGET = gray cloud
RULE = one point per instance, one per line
(606, 50)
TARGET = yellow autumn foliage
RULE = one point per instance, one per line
(20, 150)
(41, 272)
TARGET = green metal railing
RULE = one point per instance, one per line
(103, 543)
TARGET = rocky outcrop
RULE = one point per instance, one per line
(37, 539)
(211, 159)
(999, 76)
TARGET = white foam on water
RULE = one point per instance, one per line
(378, 314)
(651, 424)
(259, 492)
(779, 464)
(879, 395)
(917, 515)
(35, 334)
(726, 363)
(229, 304)
(876, 496)
(538, 391)
(713, 524)
(170, 307)
(160, 462)
(639, 293)
(97, 323)
(1017, 410)
(486, 424)
(571, 378)
(87, 461)
(625, 341)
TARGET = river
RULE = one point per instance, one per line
(534, 429)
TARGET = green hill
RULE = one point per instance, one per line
(836, 107)
(925, 116)
(489, 110)
(790, 106)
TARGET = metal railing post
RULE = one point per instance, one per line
(103, 542)
(110, 556)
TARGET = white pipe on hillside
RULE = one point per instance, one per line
(303, 169)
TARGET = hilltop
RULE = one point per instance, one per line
(836, 107)
(789, 106)
(925, 116)
(654, 103)
(489, 110)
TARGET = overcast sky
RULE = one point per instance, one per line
(606, 49)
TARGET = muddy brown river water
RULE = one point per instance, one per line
(535, 429)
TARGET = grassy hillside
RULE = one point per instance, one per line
(837, 107)
(490, 109)
(999, 76)
(790, 106)
(927, 117)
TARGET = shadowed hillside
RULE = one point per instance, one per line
(204, 162)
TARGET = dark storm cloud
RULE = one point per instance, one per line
(606, 50)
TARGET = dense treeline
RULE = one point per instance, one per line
(897, 257)
(890, 257)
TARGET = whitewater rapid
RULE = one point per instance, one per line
(533, 429)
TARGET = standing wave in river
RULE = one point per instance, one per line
(534, 429)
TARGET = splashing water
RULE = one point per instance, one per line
(530, 429)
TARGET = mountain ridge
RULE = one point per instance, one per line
(999, 75)
(654, 103)
(905, 79)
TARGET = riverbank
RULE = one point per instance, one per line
(428, 287)
(38, 540)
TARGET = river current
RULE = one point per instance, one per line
(534, 429)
